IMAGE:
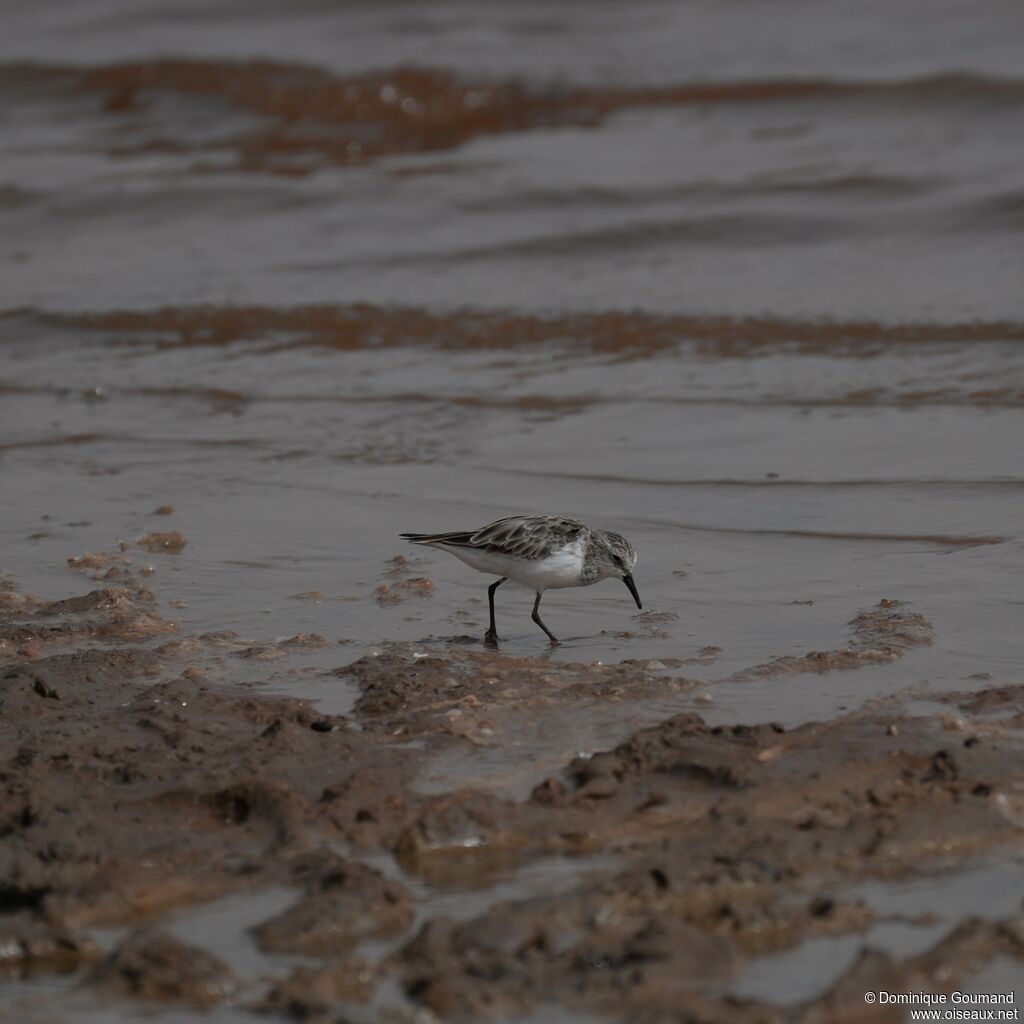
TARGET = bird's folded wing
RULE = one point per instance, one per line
(529, 537)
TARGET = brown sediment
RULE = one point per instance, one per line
(282, 648)
(989, 700)
(134, 784)
(403, 584)
(109, 567)
(881, 634)
(152, 965)
(169, 543)
(314, 993)
(750, 785)
(111, 613)
(705, 656)
(127, 791)
(29, 945)
(317, 119)
(398, 567)
(745, 833)
(98, 560)
(388, 595)
(343, 903)
(481, 695)
(620, 334)
(944, 968)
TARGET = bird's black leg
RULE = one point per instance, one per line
(536, 618)
(491, 636)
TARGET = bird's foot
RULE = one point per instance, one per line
(490, 638)
(554, 641)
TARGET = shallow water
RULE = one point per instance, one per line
(914, 915)
(743, 285)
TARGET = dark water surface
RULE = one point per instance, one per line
(740, 280)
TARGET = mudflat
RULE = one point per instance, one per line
(652, 879)
(279, 284)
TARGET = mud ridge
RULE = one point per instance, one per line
(624, 335)
(316, 119)
(879, 635)
(136, 782)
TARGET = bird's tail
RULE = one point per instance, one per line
(437, 538)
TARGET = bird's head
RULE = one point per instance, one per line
(615, 556)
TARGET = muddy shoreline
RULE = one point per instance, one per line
(281, 283)
(136, 784)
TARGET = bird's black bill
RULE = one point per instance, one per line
(628, 580)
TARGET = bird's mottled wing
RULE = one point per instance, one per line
(529, 537)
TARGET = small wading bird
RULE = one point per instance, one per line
(541, 553)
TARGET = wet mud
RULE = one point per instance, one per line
(153, 967)
(135, 786)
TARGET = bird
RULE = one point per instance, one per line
(540, 552)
